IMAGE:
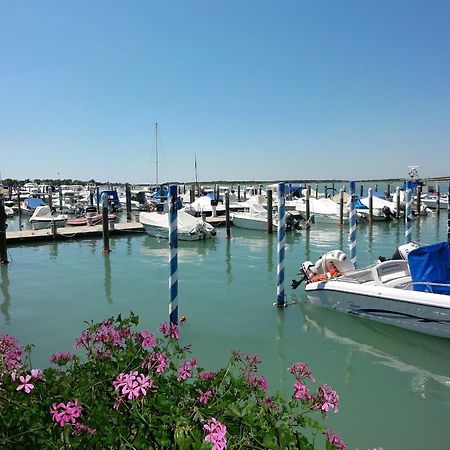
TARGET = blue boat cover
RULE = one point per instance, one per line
(33, 203)
(431, 264)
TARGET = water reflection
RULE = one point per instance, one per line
(425, 358)
(280, 338)
(53, 250)
(159, 248)
(107, 280)
(228, 260)
(4, 288)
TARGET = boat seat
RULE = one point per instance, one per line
(389, 271)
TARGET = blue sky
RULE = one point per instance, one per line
(268, 90)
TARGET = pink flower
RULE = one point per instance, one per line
(132, 385)
(147, 339)
(301, 391)
(301, 370)
(185, 371)
(254, 380)
(216, 433)
(206, 376)
(81, 428)
(334, 439)
(62, 413)
(10, 353)
(205, 397)
(61, 358)
(26, 386)
(37, 374)
(169, 330)
(326, 399)
(156, 361)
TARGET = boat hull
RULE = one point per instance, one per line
(163, 233)
(42, 224)
(412, 310)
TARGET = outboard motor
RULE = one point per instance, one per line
(402, 252)
(330, 265)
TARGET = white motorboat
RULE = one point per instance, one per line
(412, 292)
(206, 206)
(9, 211)
(253, 218)
(324, 210)
(190, 228)
(381, 209)
(43, 218)
(431, 201)
(29, 205)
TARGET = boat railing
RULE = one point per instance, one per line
(429, 285)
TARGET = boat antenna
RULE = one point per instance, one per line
(156, 150)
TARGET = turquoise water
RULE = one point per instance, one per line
(394, 384)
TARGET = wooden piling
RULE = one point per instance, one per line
(3, 247)
(128, 198)
(388, 194)
(438, 200)
(97, 196)
(60, 199)
(341, 207)
(239, 193)
(370, 205)
(361, 193)
(269, 212)
(397, 200)
(418, 199)
(227, 214)
(50, 198)
(317, 190)
(105, 223)
(308, 209)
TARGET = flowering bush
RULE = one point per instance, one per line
(135, 390)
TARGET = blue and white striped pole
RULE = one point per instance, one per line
(448, 212)
(173, 255)
(352, 223)
(281, 300)
(408, 212)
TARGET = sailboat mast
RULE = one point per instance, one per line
(196, 175)
(156, 150)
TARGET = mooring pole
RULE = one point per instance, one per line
(370, 204)
(352, 223)
(60, 199)
(448, 212)
(281, 300)
(341, 207)
(408, 212)
(3, 246)
(239, 193)
(269, 212)
(308, 206)
(97, 196)
(227, 214)
(50, 198)
(438, 200)
(105, 223)
(419, 199)
(397, 201)
(173, 255)
(362, 191)
(128, 198)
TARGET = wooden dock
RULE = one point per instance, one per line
(64, 233)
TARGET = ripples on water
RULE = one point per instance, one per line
(389, 379)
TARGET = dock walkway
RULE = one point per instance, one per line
(64, 233)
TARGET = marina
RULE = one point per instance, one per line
(227, 289)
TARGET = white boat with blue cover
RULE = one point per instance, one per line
(412, 292)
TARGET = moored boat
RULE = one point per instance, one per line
(412, 292)
(43, 218)
(189, 228)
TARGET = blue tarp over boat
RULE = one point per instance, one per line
(33, 203)
(431, 264)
